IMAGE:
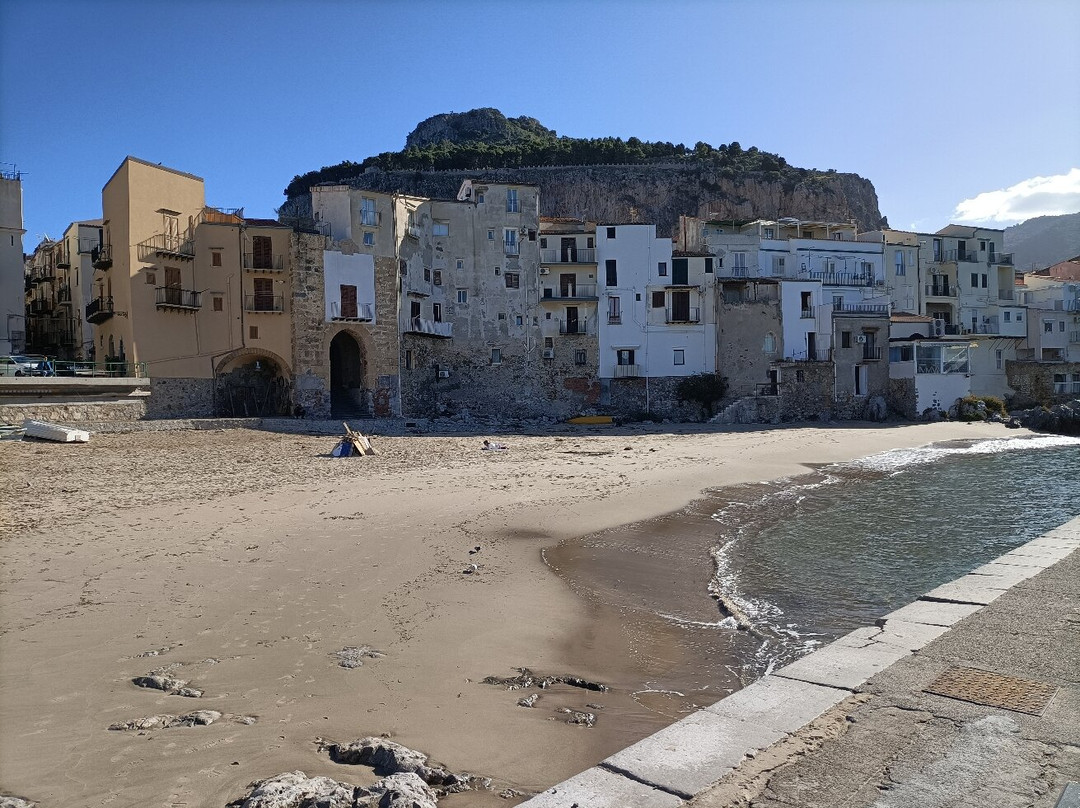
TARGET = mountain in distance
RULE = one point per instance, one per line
(1043, 241)
(601, 179)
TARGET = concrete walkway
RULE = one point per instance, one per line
(851, 724)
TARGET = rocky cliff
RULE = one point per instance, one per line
(658, 193)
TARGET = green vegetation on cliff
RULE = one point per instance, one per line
(486, 139)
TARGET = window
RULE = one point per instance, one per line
(462, 295)
(543, 244)
(778, 264)
(479, 199)
(491, 235)
(769, 345)
(611, 232)
(408, 359)
(215, 258)
(998, 356)
(1019, 317)
(612, 274)
(680, 271)
(658, 300)
(901, 268)
(369, 238)
(845, 339)
(614, 310)
(414, 308)
(708, 265)
(518, 320)
(661, 269)
(437, 277)
(1048, 326)
(769, 233)
(513, 280)
(502, 315)
(512, 200)
(680, 356)
(262, 252)
(253, 332)
(549, 342)
(738, 263)
(219, 304)
(974, 280)
(347, 297)
(427, 273)
(589, 243)
(1060, 382)
(403, 267)
(984, 280)
(581, 357)
(151, 278)
(497, 270)
(460, 264)
(368, 216)
(532, 235)
(625, 356)
(436, 312)
(440, 229)
(496, 356)
(510, 241)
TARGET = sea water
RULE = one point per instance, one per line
(811, 558)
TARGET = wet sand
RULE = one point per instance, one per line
(251, 558)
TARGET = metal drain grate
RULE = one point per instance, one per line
(993, 690)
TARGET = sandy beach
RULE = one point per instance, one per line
(243, 561)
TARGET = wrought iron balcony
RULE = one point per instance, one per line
(577, 255)
(1000, 259)
(164, 245)
(577, 291)
(841, 278)
(268, 303)
(170, 297)
(822, 355)
(614, 318)
(627, 371)
(574, 326)
(262, 262)
(866, 309)
(807, 314)
(99, 310)
(40, 305)
(430, 328)
(683, 315)
(955, 256)
(940, 290)
(871, 354)
(362, 311)
(101, 256)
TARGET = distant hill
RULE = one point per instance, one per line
(603, 179)
(1043, 241)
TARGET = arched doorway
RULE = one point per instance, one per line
(348, 398)
(252, 385)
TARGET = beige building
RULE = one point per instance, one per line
(12, 268)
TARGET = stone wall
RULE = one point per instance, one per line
(75, 412)
(181, 398)
(805, 391)
(655, 397)
(902, 398)
(1034, 382)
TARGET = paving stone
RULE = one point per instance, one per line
(785, 705)
(968, 589)
(933, 613)
(843, 664)
(694, 753)
(908, 635)
(1007, 574)
(599, 788)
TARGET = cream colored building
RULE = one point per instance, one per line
(12, 271)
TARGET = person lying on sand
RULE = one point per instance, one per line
(490, 446)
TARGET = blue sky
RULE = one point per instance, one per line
(938, 103)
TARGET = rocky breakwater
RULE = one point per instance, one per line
(1061, 419)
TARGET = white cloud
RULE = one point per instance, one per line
(1038, 196)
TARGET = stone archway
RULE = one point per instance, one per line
(349, 395)
(252, 383)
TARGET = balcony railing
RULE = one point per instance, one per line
(1000, 258)
(871, 354)
(101, 256)
(370, 218)
(807, 314)
(430, 328)
(579, 291)
(940, 290)
(364, 311)
(110, 367)
(614, 318)
(40, 305)
(99, 310)
(169, 297)
(1006, 294)
(820, 355)
(267, 263)
(511, 249)
(87, 245)
(578, 255)
(270, 303)
(954, 256)
(869, 309)
(683, 315)
(165, 245)
(627, 371)
(574, 326)
(63, 294)
(841, 278)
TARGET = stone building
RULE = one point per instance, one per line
(12, 269)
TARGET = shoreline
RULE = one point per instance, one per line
(298, 556)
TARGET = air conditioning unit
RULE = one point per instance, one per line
(549, 353)
(939, 328)
(444, 374)
(860, 339)
(545, 271)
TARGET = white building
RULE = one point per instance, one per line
(1053, 328)
(12, 300)
(656, 306)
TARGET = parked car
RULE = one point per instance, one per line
(19, 365)
(38, 365)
